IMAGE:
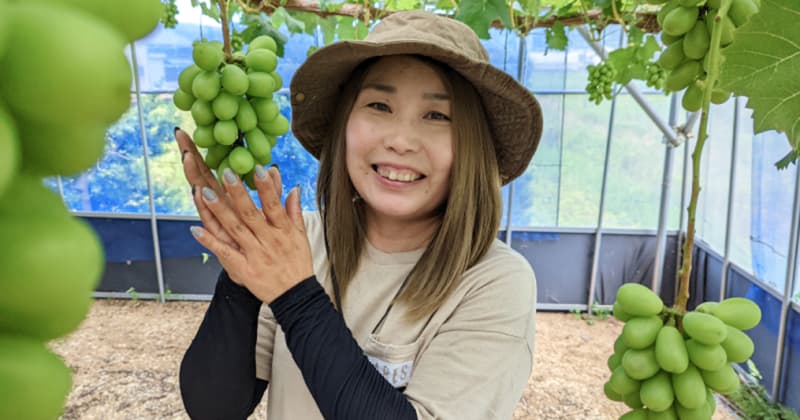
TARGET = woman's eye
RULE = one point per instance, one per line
(380, 106)
(437, 116)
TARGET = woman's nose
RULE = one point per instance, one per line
(404, 137)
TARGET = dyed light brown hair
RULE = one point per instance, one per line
(470, 215)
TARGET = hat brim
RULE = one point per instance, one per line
(514, 114)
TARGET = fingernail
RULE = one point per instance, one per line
(275, 165)
(261, 173)
(176, 129)
(196, 231)
(209, 194)
(194, 189)
(183, 155)
(229, 176)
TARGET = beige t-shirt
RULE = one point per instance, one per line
(470, 360)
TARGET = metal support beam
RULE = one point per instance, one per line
(598, 236)
(673, 137)
(791, 266)
(726, 256)
(520, 75)
(663, 212)
(151, 200)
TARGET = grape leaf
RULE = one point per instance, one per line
(762, 64)
(787, 160)
(479, 15)
(557, 37)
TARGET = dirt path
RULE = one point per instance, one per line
(126, 354)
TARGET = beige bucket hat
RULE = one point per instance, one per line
(514, 115)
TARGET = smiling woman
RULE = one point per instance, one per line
(395, 299)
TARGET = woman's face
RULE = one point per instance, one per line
(399, 139)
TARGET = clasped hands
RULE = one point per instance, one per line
(265, 250)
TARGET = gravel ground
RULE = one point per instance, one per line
(126, 354)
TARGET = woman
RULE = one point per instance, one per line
(429, 315)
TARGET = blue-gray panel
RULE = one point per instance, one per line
(790, 389)
(191, 275)
(562, 262)
(129, 255)
(124, 240)
(119, 277)
(629, 259)
(765, 334)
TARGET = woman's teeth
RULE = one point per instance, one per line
(395, 175)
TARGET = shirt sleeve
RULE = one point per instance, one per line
(218, 374)
(338, 374)
(478, 364)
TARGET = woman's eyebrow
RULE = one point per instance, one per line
(381, 87)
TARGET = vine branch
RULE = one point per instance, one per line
(645, 21)
(713, 72)
(226, 33)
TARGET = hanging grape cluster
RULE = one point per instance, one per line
(231, 101)
(601, 82)
(666, 365)
(64, 79)
(656, 75)
(169, 17)
(686, 31)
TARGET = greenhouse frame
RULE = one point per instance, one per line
(602, 204)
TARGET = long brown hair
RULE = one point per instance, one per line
(470, 216)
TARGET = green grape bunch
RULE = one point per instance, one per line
(601, 82)
(686, 32)
(667, 365)
(169, 18)
(656, 75)
(231, 102)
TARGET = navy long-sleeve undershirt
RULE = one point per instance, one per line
(217, 377)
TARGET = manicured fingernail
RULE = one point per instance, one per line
(196, 231)
(261, 173)
(229, 176)
(209, 194)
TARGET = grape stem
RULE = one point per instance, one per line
(713, 73)
(226, 33)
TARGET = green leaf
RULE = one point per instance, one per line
(328, 26)
(310, 21)
(361, 30)
(293, 24)
(787, 160)
(479, 15)
(205, 257)
(405, 4)
(345, 29)
(762, 64)
(556, 37)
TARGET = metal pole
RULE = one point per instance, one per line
(598, 236)
(60, 188)
(791, 265)
(723, 284)
(561, 139)
(673, 137)
(520, 75)
(663, 212)
(153, 222)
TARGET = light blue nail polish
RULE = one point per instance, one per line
(261, 173)
(209, 194)
(196, 231)
(229, 176)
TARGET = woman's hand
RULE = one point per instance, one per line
(265, 250)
